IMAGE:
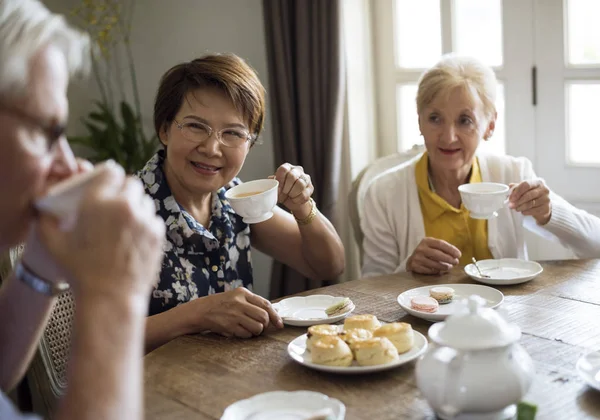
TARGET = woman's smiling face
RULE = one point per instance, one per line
(452, 126)
(200, 168)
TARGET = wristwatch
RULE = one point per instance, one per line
(40, 285)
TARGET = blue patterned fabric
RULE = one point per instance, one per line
(198, 261)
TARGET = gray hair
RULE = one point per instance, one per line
(26, 26)
(457, 71)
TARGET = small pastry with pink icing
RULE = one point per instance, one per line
(424, 304)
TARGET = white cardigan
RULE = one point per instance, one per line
(393, 226)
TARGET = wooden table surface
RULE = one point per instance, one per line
(197, 377)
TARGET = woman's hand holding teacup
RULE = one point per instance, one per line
(433, 256)
(532, 198)
(295, 189)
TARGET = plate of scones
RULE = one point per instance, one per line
(362, 345)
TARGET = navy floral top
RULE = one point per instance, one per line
(198, 261)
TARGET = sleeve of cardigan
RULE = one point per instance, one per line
(380, 247)
(575, 228)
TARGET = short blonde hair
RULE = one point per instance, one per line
(26, 26)
(454, 71)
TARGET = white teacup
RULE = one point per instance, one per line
(254, 200)
(484, 199)
(62, 200)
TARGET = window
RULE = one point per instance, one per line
(411, 36)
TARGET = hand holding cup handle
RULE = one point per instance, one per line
(531, 198)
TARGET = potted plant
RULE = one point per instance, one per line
(114, 127)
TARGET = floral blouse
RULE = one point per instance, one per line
(198, 261)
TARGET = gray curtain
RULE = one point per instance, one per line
(306, 88)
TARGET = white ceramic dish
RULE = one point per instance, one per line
(309, 310)
(588, 367)
(282, 405)
(492, 297)
(505, 271)
(297, 350)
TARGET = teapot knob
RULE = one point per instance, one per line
(474, 303)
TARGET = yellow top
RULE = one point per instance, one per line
(443, 221)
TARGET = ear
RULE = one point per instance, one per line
(420, 128)
(491, 127)
(163, 136)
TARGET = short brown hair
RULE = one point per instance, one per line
(226, 72)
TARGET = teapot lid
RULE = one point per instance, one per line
(475, 327)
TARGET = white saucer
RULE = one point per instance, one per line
(297, 350)
(492, 297)
(282, 405)
(505, 271)
(588, 367)
(309, 310)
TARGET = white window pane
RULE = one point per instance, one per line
(418, 33)
(583, 32)
(583, 102)
(478, 30)
(408, 120)
(497, 143)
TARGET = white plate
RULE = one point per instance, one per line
(492, 297)
(505, 271)
(308, 310)
(588, 367)
(297, 350)
(282, 405)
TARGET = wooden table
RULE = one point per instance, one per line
(197, 377)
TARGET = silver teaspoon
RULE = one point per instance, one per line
(485, 276)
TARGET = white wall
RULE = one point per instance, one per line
(168, 32)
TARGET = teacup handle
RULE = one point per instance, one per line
(508, 193)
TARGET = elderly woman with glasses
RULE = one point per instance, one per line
(208, 115)
(414, 218)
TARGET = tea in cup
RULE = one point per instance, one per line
(484, 199)
(254, 200)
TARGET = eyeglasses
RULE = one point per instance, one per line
(53, 131)
(199, 132)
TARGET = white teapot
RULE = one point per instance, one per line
(475, 368)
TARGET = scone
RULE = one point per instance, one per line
(365, 322)
(319, 331)
(331, 351)
(356, 335)
(375, 351)
(399, 333)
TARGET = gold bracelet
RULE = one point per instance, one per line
(311, 216)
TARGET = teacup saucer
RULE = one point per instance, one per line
(309, 310)
(282, 405)
(588, 367)
(504, 271)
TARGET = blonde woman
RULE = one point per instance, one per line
(414, 218)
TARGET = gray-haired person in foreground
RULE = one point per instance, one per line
(109, 258)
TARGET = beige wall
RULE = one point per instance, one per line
(168, 32)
